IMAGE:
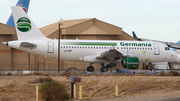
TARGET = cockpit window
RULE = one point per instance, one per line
(167, 48)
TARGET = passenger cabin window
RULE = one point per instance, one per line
(167, 48)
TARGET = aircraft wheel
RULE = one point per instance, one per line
(102, 69)
(105, 69)
(90, 69)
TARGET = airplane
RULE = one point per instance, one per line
(21, 3)
(128, 53)
(174, 46)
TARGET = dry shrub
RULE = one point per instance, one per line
(126, 74)
(63, 74)
(2, 74)
(106, 74)
(173, 73)
(9, 74)
(54, 91)
(96, 74)
(19, 74)
(162, 73)
(37, 73)
(141, 74)
(169, 74)
(5, 98)
(45, 74)
(47, 79)
(43, 80)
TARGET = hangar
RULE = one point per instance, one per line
(91, 28)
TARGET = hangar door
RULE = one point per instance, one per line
(156, 49)
(50, 47)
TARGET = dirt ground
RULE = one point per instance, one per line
(99, 88)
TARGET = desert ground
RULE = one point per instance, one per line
(97, 87)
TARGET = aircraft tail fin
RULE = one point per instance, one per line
(21, 3)
(25, 28)
(134, 35)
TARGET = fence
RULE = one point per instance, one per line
(79, 66)
(43, 67)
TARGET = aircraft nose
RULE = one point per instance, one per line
(174, 55)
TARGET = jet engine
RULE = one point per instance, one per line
(130, 62)
(178, 58)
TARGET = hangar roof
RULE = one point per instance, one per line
(89, 26)
(6, 29)
(49, 29)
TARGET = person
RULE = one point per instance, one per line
(146, 66)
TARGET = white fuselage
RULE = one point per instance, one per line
(75, 50)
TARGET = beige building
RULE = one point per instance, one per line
(92, 29)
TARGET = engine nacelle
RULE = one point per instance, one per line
(178, 58)
(91, 59)
(130, 63)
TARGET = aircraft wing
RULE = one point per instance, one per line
(113, 54)
(28, 45)
(173, 45)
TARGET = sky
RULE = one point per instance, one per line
(152, 19)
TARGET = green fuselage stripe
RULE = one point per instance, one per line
(90, 43)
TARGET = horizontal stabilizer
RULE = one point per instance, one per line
(28, 45)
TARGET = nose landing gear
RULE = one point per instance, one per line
(90, 69)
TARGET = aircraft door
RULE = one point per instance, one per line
(156, 49)
(50, 47)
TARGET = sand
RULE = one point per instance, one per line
(99, 88)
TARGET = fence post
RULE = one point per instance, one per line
(66, 66)
(84, 66)
(48, 68)
(116, 91)
(74, 91)
(80, 92)
(31, 68)
(37, 93)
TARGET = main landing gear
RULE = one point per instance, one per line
(103, 69)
